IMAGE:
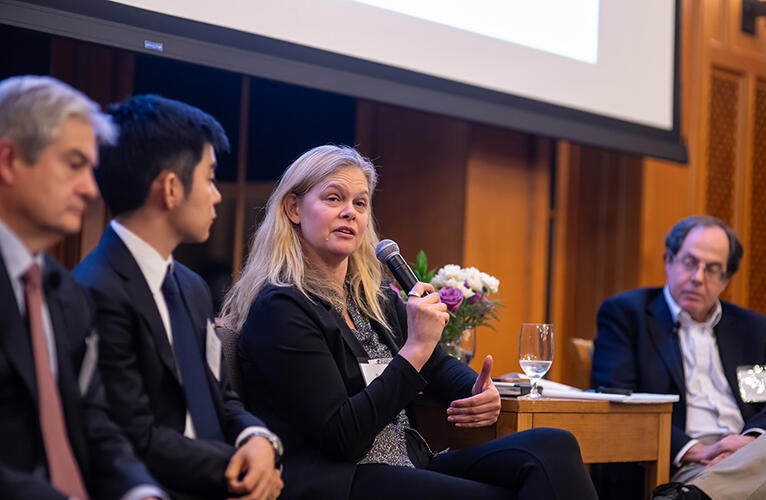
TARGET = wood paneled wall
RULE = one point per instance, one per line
(420, 198)
(106, 76)
(597, 244)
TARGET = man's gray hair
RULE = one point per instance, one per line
(32, 109)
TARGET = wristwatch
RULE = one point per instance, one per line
(276, 443)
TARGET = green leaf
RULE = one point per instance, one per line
(429, 276)
(422, 262)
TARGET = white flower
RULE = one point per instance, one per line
(490, 282)
(472, 276)
(460, 285)
(448, 272)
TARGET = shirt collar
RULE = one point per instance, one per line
(16, 257)
(683, 317)
(152, 265)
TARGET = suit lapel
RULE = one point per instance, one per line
(137, 289)
(339, 322)
(730, 350)
(661, 331)
(348, 336)
(14, 336)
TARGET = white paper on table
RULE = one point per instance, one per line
(646, 398)
(635, 398)
(553, 389)
(578, 394)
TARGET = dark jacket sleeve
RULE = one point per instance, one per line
(17, 485)
(758, 420)
(112, 466)
(286, 340)
(177, 461)
(614, 359)
(115, 469)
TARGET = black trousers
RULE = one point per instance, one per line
(535, 464)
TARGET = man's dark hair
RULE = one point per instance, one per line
(155, 134)
(675, 239)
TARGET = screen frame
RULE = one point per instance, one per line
(122, 26)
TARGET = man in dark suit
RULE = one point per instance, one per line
(682, 339)
(57, 441)
(160, 358)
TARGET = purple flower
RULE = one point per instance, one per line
(476, 297)
(452, 297)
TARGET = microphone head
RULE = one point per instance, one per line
(386, 249)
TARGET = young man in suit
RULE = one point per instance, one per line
(682, 339)
(57, 441)
(159, 355)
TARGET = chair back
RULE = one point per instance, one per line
(584, 354)
(229, 339)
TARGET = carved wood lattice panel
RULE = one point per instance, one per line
(722, 146)
(756, 247)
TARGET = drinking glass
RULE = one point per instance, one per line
(535, 352)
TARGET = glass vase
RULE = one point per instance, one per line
(463, 348)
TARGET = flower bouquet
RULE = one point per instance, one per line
(465, 291)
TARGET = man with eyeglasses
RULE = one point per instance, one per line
(682, 339)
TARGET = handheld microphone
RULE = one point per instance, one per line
(387, 252)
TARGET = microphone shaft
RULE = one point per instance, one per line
(401, 271)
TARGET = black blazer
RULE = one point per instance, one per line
(105, 457)
(300, 366)
(637, 349)
(139, 371)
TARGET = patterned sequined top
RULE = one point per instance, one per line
(390, 446)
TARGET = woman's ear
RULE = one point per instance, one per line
(293, 208)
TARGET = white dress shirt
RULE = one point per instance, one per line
(154, 267)
(711, 409)
(17, 259)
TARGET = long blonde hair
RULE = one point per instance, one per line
(276, 256)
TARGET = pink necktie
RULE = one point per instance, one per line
(64, 472)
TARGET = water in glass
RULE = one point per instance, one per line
(535, 352)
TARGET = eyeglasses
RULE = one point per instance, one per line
(690, 264)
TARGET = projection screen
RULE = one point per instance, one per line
(601, 72)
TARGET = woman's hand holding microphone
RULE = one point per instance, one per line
(426, 318)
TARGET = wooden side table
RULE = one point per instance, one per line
(606, 432)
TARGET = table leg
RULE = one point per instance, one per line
(658, 472)
(524, 422)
